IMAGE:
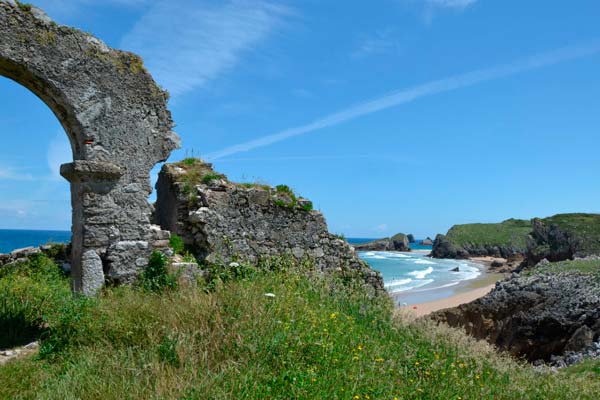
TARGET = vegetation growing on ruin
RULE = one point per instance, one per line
(285, 196)
(24, 6)
(176, 243)
(279, 331)
(196, 172)
(250, 185)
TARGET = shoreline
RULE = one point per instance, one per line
(422, 309)
(465, 292)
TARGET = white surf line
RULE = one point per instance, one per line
(411, 94)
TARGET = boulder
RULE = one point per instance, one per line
(535, 316)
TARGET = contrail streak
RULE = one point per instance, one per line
(411, 94)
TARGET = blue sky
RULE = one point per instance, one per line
(391, 115)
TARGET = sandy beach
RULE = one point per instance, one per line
(466, 293)
(453, 301)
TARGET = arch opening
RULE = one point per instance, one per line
(119, 127)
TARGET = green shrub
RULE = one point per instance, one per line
(24, 6)
(208, 178)
(284, 189)
(156, 277)
(280, 203)
(189, 162)
(308, 206)
(176, 243)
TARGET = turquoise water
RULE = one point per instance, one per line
(412, 277)
(17, 239)
(415, 246)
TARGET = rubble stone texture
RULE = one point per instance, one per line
(223, 222)
(117, 121)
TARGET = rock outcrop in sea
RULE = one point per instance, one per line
(398, 242)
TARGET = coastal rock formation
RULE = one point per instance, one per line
(398, 242)
(564, 237)
(223, 222)
(556, 238)
(542, 312)
(444, 248)
(427, 242)
(119, 127)
(502, 240)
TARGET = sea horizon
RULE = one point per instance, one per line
(13, 239)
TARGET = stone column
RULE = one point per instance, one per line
(91, 185)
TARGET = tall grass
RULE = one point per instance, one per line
(276, 333)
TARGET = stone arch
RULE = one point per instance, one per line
(117, 121)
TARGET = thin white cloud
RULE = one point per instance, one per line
(411, 94)
(380, 228)
(326, 157)
(186, 44)
(382, 41)
(456, 4)
(13, 174)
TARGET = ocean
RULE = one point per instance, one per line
(412, 277)
(16, 239)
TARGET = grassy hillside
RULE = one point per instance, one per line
(512, 232)
(313, 338)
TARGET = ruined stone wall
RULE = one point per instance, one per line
(222, 221)
(117, 121)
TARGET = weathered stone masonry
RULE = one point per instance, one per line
(119, 127)
(222, 221)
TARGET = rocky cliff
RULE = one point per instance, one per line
(398, 242)
(505, 239)
(564, 237)
(543, 312)
(221, 221)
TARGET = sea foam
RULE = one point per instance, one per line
(421, 274)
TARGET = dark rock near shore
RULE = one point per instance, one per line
(398, 242)
(535, 315)
(564, 237)
(445, 248)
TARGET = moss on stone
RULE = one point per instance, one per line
(24, 6)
